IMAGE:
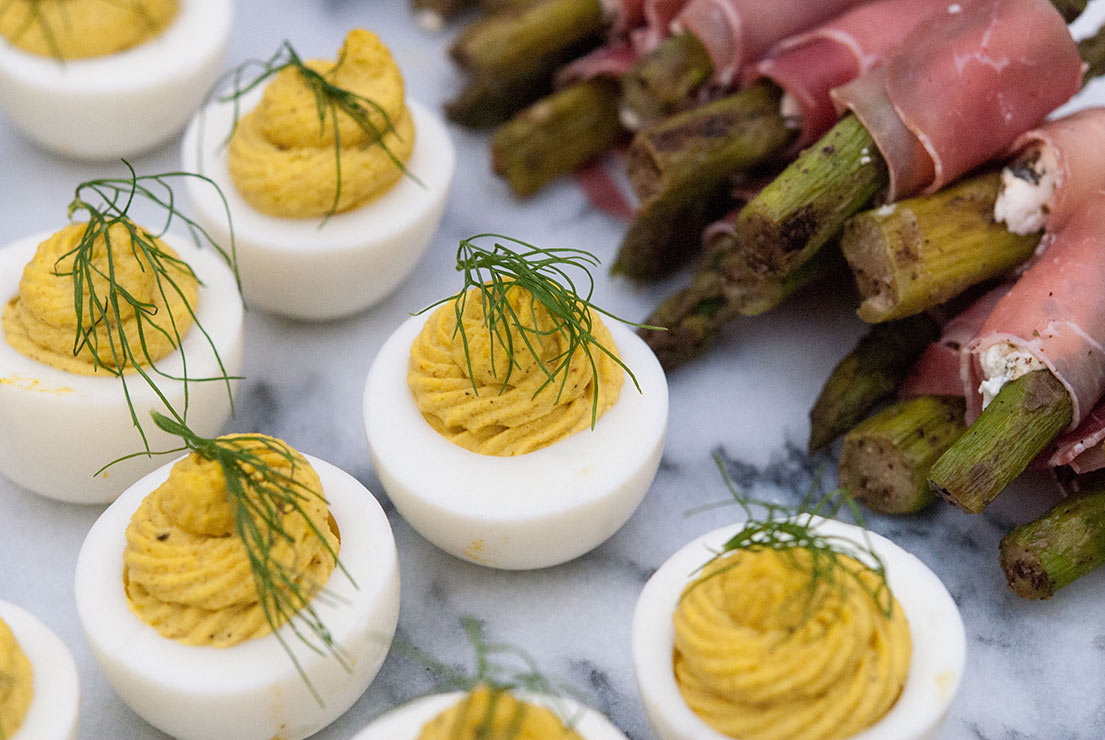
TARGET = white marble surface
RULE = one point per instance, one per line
(1035, 670)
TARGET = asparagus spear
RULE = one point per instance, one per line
(922, 251)
(1024, 417)
(519, 35)
(809, 202)
(557, 134)
(885, 460)
(715, 296)
(691, 157)
(434, 14)
(664, 80)
(1041, 557)
(513, 55)
(868, 374)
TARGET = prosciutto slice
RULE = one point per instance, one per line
(1055, 313)
(737, 32)
(1078, 141)
(809, 65)
(638, 27)
(969, 81)
(937, 370)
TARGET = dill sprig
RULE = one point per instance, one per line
(36, 16)
(330, 100)
(260, 497)
(107, 203)
(502, 668)
(787, 529)
(550, 277)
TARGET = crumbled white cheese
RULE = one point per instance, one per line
(865, 160)
(955, 8)
(887, 210)
(1027, 191)
(429, 21)
(629, 118)
(790, 110)
(1002, 363)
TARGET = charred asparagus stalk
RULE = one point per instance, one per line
(557, 134)
(664, 80)
(688, 160)
(715, 296)
(923, 251)
(1041, 557)
(513, 54)
(809, 202)
(867, 375)
(885, 460)
(1024, 417)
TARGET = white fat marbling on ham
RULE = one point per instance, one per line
(963, 88)
(809, 65)
(1056, 314)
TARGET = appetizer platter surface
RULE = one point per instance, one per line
(738, 414)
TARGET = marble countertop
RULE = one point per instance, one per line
(1034, 670)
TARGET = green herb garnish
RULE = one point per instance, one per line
(499, 666)
(107, 202)
(260, 496)
(550, 278)
(330, 100)
(787, 529)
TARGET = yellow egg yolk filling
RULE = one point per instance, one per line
(16, 683)
(186, 570)
(760, 657)
(282, 156)
(79, 29)
(466, 395)
(41, 322)
(492, 714)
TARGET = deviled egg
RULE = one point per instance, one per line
(41, 680)
(435, 717)
(497, 447)
(785, 694)
(61, 423)
(116, 103)
(325, 225)
(159, 635)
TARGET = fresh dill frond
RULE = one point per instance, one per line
(260, 497)
(502, 668)
(330, 100)
(107, 203)
(788, 529)
(557, 280)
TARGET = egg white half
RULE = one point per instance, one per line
(936, 629)
(406, 722)
(528, 511)
(122, 104)
(56, 701)
(307, 269)
(57, 428)
(250, 691)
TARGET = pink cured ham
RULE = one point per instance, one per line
(737, 32)
(1056, 313)
(808, 66)
(1078, 141)
(638, 27)
(1082, 448)
(937, 370)
(967, 83)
